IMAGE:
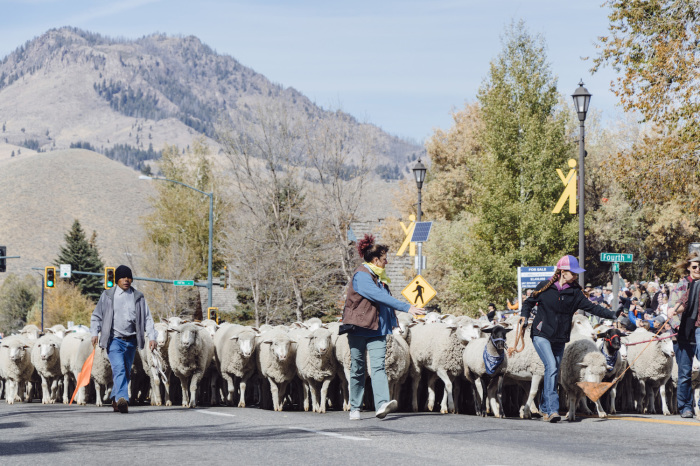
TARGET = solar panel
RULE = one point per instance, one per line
(421, 232)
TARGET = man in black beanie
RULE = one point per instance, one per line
(124, 319)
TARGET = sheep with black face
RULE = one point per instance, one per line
(485, 363)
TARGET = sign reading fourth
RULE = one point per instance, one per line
(615, 257)
(183, 282)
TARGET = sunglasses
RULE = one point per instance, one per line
(694, 267)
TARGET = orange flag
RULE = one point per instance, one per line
(84, 376)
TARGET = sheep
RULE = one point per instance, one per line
(31, 332)
(190, 353)
(482, 377)
(610, 345)
(582, 362)
(397, 363)
(316, 364)
(341, 349)
(157, 365)
(275, 360)
(78, 329)
(16, 366)
(653, 367)
(313, 323)
(101, 375)
(581, 327)
(58, 330)
(75, 349)
(46, 360)
(235, 357)
(438, 348)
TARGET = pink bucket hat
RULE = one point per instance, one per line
(569, 263)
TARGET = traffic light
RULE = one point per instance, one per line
(222, 278)
(109, 278)
(3, 253)
(49, 277)
(213, 313)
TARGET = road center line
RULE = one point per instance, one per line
(656, 421)
(214, 413)
(329, 434)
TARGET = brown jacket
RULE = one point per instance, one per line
(359, 310)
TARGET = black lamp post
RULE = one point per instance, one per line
(419, 173)
(582, 98)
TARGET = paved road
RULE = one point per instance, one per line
(57, 434)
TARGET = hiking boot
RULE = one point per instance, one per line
(123, 406)
(687, 414)
(355, 415)
(386, 408)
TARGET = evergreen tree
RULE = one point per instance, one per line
(83, 256)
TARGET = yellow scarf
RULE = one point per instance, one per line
(379, 272)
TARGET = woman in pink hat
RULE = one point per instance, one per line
(557, 300)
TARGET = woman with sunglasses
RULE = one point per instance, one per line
(557, 300)
(687, 323)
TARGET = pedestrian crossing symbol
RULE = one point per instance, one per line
(419, 292)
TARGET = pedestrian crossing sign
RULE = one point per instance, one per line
(419, 292)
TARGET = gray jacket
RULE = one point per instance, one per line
(103, 318)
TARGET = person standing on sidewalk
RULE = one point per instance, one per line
(557, 300)
(688, 323)
(369, 309)
(119, 323)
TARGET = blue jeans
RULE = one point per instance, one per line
(684, 358)
(121, 356)
(376, 347)
(550, 354)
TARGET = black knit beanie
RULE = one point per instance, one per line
(122, 272)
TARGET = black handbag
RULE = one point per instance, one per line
(345, 328)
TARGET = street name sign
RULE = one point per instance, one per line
(419, 292)
(615, 257)
(183, 282)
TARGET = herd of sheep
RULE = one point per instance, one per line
(307, 366)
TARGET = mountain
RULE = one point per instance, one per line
(127, 98)
(42, 193)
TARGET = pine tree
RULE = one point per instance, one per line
(83, 255)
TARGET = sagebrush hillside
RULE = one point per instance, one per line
(126, 99)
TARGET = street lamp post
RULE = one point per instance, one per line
(581, 100)
(211, 227)
(419, 173)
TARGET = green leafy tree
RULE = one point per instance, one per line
(520, 140)
(82, 255)
(17, 296)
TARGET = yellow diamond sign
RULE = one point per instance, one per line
(419, 292)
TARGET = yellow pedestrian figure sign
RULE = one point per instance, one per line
(569, 193)
(419, 292)
(408, 230)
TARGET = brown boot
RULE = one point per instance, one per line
(114, 406)
(123, 406)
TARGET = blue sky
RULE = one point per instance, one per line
(402, 65)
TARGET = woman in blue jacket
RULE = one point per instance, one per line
(369, 308)
(557, 300)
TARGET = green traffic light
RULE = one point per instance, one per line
(110, 284)
(49, 283)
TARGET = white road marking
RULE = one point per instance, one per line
(214, 413)
(329, 434)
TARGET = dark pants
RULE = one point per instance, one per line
(121, 356)
(684, 358)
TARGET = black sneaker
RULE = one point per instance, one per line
(123, 406)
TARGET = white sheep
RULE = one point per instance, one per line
(58, 330)
(75, 349)
(101, 375)
(16, 366)
(276, 361)
(157, 366)
(47, 362)
(235, 357)
(397, 362)
(438, 349)
(190, 353)
(31, 332)
(316, 366)
(341, 349)
(582, 362)
(653, 368)
(486, 381)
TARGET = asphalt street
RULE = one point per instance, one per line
(57, 434)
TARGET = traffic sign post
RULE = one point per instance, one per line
(530, 277)
(419, 292)
(65, 270)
